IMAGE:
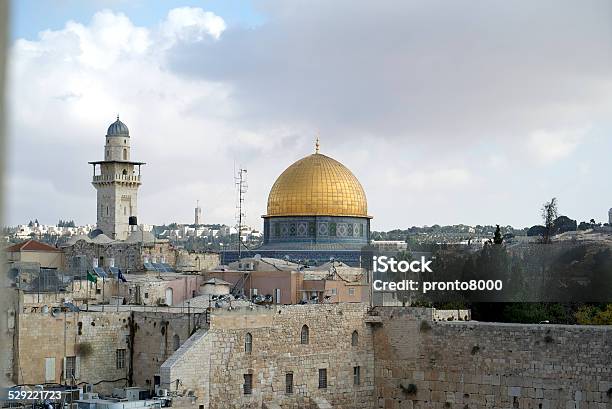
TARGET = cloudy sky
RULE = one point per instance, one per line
(448, 112)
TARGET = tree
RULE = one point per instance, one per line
(498, 239)
(536, 231)
(563, 224)
(549, 214)
(592, 315)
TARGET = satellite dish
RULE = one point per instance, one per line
(257, 257)
(55, 312)
(45, 309)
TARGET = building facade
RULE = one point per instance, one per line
(116, 179)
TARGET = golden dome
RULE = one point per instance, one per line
(317, 185)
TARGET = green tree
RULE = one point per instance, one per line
(498, 238)
(549, 214)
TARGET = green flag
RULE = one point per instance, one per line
(91, 277)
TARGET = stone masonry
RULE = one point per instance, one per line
(453, 364)
(214, 365)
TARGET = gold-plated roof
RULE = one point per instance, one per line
(317, 185)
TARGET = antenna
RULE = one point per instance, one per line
(241, 184)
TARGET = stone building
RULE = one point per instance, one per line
(32, 251)
(289, 283)
(287, 355)
(116, 184)
(130, 255)
(343, 355)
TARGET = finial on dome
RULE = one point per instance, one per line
(117, 117)
(317, 145)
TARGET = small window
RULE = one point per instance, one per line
(70, 369)
(177, 342)
(323, 378)
(355, 339)
(120, 355)
(248, 384)
(125, 154)
(107, 210)
(98, 291)
(248, 343)
(146, 295)
(356, 375)
(289, 383)
(304, 335)
(351, 291)
(334, 291)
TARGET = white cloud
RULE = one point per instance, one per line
(546, 147)
(192, 24)
(439, 99)
(66, 87)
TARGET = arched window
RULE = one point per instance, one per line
(304, 335)
(355, 339)
(124, 172)
(125, 154)
(177, 341)
(248, 343)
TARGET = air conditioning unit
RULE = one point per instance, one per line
(88, 396)
(88, 388)
(162, 393)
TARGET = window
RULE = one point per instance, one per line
(277, 295)
(125, 154)
(107, 210)
(248, 343)
(356, 375)
(304, 335)
(289, 383)
(146, 295)
(70, 367)
(49, 369)
(334, 291)
(355, 339)
(323, 378)
(120, 358)
(351, 291)
(177, 342)
(248, 384)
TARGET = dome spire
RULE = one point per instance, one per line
(317, 145)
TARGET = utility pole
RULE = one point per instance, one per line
(241, 183)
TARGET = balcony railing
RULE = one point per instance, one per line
(117, 177)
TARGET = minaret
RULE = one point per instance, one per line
(198, 214)
(117, 183)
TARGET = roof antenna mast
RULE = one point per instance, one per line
(240, 181)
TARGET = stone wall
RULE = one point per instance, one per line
(94, 337)
(277, 350)
(155, 336)
(453, 364)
